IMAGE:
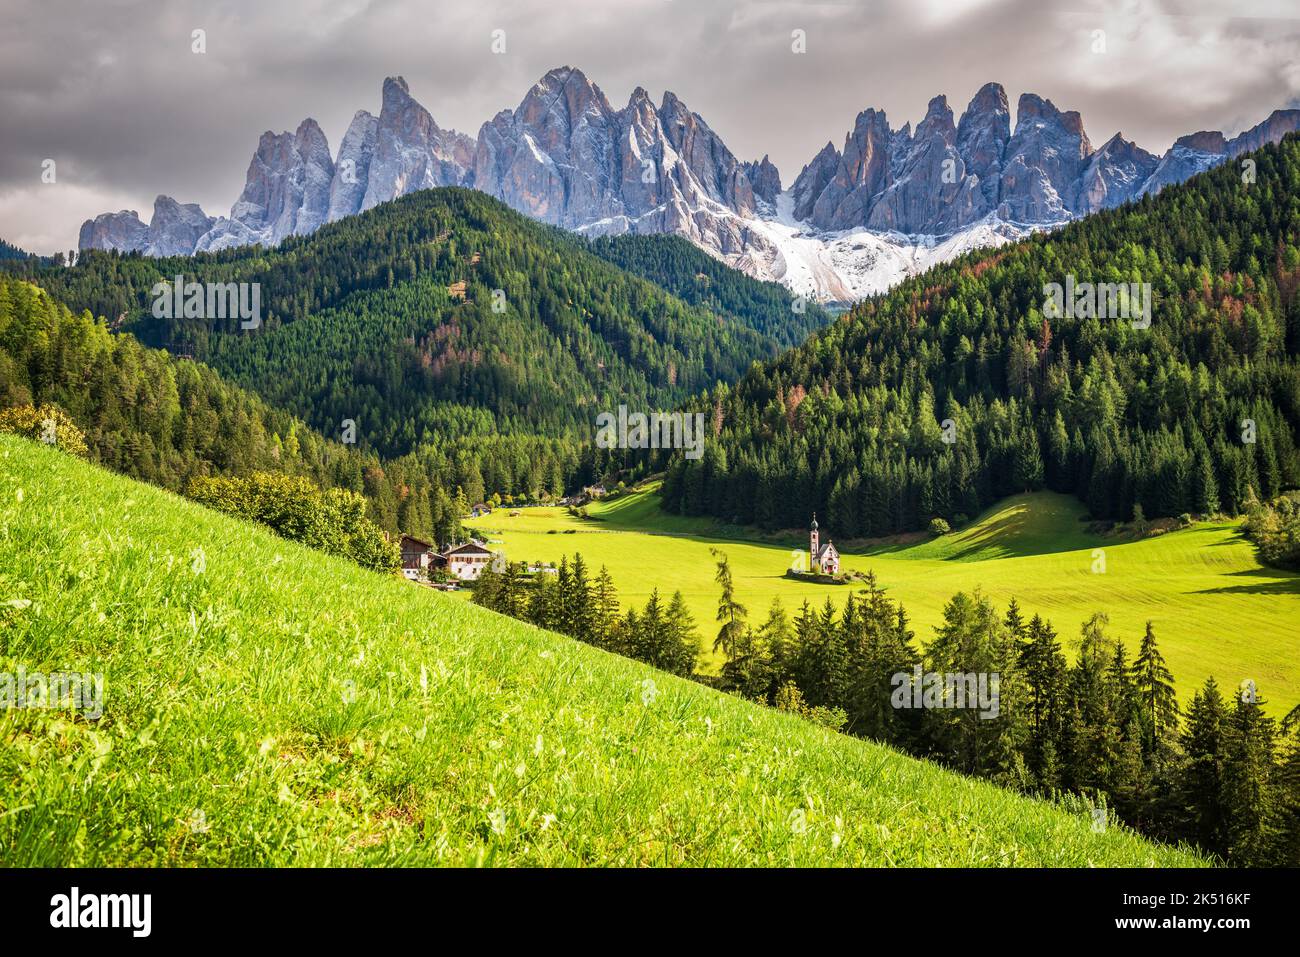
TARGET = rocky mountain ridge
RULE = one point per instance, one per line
(855, 220)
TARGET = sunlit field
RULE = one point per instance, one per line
(1215, 609)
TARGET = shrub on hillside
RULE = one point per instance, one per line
(48, 424)
(939, 526)
(1275, 530)
(333, 521)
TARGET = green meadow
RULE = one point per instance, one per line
(1215, 609)
(266, 704)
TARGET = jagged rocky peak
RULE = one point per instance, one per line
(1114, 175)
(352, 168)
(862, 172)
(709, 162)
(565, 156)
(286, 191)
(411, 151)
(173, 231)
(812, 179)
(175, 228)
(765, 179)
(1043, 162)
(552, 156)
(982, 136)
(931, 191)
(122, 231)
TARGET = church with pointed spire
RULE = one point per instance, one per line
(823, 559)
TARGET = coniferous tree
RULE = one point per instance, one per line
(1201, 786)
(1154, 683)
(731, 614)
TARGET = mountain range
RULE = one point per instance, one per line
(856, 220)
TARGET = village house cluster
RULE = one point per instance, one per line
(421, 559)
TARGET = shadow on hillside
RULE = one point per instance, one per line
(1013, 534)
(1267, 581)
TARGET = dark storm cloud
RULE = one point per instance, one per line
(113, 93)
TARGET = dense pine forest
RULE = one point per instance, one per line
(955, 388)
(445, 314)
(169, 421)
(1075, 720)
(9, 251)
(691, 274)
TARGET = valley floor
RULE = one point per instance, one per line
(1215, 609)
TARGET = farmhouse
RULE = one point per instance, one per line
(821, 558)
(417, 556)
(467, 561)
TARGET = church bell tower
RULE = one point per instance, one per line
(813, 542)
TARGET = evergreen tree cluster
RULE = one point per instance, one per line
(691, 274)
(170, 421)
(572, 603)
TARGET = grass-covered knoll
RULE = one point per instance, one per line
(1217, 611)
(268, 704)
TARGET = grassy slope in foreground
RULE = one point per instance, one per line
(1215, 609)
(225, 695)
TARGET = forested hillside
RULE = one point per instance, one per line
(441, 314)
(1195, 413)
(151, 416)
(690, 273)
(9, 251)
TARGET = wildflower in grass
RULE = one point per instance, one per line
(349, 691)
(198, 562)
(19, 494)
(547, 821)
(424, 680)
(199, 822)
(537, 746)
(497, 819)
(265, 748)
(520, 770)
(837, 836)
(648, 692)
(708, 725)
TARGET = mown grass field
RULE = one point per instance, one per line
(1215, 609)
(266, 704)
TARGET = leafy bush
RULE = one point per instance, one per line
(939, 526)
(48, 424)
(333, 521)
(1275, 530)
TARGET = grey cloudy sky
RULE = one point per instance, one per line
(112, 92)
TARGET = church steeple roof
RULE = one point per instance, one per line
(813, 526)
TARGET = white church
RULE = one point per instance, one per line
(822, 559)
